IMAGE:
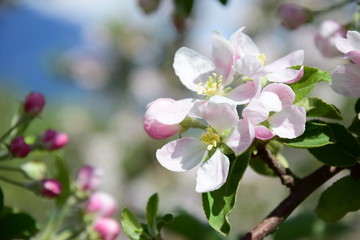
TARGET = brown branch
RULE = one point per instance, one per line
(287, 177)
(304, 188)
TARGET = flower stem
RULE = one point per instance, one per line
(332, 7)
(19, 184)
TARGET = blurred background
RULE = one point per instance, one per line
(99, 63)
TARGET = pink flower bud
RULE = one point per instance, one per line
(19, 148)
(101, 204)
(50, 188)
(292, 16)
(88, 178)
(154, 128)
(34, 103)
(52, 139)
(107, 228)
(325, 39)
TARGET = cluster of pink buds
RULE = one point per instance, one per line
(99, 205)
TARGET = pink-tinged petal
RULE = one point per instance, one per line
(290, 122)
(222, 99)
(220, 116)
(353, 56)
(263, 133)
(293, 59)
(284, 92)
(260, 106)
(354, 39)
(192, 68)
(325, 39)
(287, 75)
(343, 45)
(346, 80)
(241, 137)
(243, 44)
(245, 92)
(223, 57)
(249, 65)
(182, 154)
(212, 174)
(154, 128)
(175, 112)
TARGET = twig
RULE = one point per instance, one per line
(304, 188)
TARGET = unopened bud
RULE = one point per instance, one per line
(35, 170)
(107, 228)
(101, 204)
(88, 178)
(50, 188)
(52, 139)
(34, 103)
(19, 148)
(292, 15)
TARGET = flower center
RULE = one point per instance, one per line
(211, 138)
(262, 59)
(212, 87)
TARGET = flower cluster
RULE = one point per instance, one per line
(242, 98)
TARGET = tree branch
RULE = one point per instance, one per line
(304, 188)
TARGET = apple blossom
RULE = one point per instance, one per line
(287, 120)
(107, 228)
(325, 39)
(101, 203)
(346, 80)
(224, 128)
(350, 46)
(88, 178)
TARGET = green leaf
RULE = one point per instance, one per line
(355, 126)
(1, 199)
(62, 175)
(224, 2)
(15, 225)
(307, 83)
(183, 8)
(166, 219)
(219, 203)
(339, 199)
(316, 134)
(357, 106)
(316, 107)
(131, 225)
(151, 211)
(344, 152)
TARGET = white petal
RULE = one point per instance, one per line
(353, 56)
(287, 75)
(346, 80)
(290, 122)
(223, 57)
(192, 68)
(354, 39)
(293, 59)
(244, 92)
(182, 154)
(243, 44)
(212, 174)
(249, 65)
(176, 112)
(284, 92)
(260, 106)
(343, 45)
(241, 137)
(263, 133)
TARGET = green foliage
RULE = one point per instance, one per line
(151, 211)
(355, 126)
(188, 227)
(343, 153)
(224, 2)
(317, 134)
(131, 225)
(307, 226)
(339, 199)
(16, 225)
(183, 8)
(219, 203)
(62, 175)
(1, 200)
(316, 107)
(311, 77)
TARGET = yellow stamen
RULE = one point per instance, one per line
(211, 138)
(262, 59)
(212, 87)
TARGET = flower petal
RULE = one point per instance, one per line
(212, 174)
(353, 56)
(182, 154)
(354, 39)
(263, 133)
(243, 44)
(175, 112)
(290, 122)
(250, 66)
(287, 75)
(245, 92)
(346, 80)
(284, 92)
(223, 57)
(241, 137)
(260, 106)
(192, 68)
(343, 45)
(293, 59)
